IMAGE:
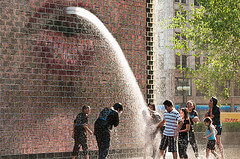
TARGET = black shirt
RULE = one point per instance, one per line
(184, 126)
(101, 126)
(81, 118)
(216, 113)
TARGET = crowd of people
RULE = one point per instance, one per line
(175, 128)
(178, 130)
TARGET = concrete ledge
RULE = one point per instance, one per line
(228, 138)
(113, 154)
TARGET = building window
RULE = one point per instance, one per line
(182, 86)
(177, 61)
(181, 61)
(184, 61)
(197, 62)
(204, 60)
(198, 93)
(196, 3)
(184, 14)
(237, 90)
(177, 36)
(183, 1)
(176, 12)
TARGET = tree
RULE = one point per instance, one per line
(211, 30)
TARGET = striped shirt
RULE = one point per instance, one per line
(172, 120)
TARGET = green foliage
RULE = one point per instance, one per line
(212, 30)
(231, 127)
(227, 127)
(200, 127)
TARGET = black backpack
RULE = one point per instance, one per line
(102, 123)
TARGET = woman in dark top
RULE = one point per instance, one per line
(214, 113)
(183, 134)
(193, 116)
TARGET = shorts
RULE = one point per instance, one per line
(211, 144)
(219, 130)
(170, 142)
(80, 139)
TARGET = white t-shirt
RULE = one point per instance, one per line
(172, 120)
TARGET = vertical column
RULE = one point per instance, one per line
(150, 51)
(164, 55)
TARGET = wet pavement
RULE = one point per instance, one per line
(230, 152)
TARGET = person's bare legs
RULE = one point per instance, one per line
(207, 153)
(161, 153)
(214, 153)
(219, 144)
(174, 155)
(73, 157)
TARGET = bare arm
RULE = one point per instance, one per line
(161, 124)
(209, 113)
(211, 116)
(206, 115)
(178, 129)
(187, 128)
(195, 120)
(179, 126)
(87, 129)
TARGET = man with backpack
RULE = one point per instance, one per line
(108, 118)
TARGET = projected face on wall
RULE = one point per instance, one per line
(52, 64)
(64, 45)
(49, 72)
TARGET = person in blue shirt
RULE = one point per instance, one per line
(211, 136)
(214, 113)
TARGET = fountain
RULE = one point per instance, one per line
(53, 62)
(60, 63)
(118, 60)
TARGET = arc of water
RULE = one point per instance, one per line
(128, 75)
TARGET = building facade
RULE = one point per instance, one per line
(170, 83)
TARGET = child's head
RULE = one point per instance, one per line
(184, 113)
(86, 109)
(152, 106)
(207, 121)
(168, 105)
